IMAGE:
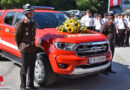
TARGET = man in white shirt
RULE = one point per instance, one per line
(121, 29)
(116, 19)
(115, 22)
(98, 23)
(95, 19)
(88, 20)
(95, 16)
(105, 18)
(127, 18)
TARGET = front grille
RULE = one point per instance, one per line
(91, 49)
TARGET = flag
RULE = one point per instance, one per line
(1, 78)
(115, 3)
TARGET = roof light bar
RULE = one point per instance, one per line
(43, 7)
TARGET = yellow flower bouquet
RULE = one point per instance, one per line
(72, 26)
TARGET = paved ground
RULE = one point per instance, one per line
(118, 81)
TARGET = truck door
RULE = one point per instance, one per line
(7, 40)
(1, 31)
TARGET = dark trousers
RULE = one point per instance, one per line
(97, 30)
(90, 28)
(121, 37)
(127, 38)
(28, 63)
(112, 47)
(117, 39)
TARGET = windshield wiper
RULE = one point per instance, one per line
(46, 27)
(41, 28)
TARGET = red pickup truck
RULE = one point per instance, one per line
(59, 54)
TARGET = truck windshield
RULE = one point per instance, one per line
(48, 20)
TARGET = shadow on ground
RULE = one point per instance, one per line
(118, 81)
(4, 59)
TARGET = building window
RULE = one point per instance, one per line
(126, 1)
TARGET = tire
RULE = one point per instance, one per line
(94, 75)
(0, 57)
(43, 73)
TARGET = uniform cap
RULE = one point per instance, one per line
(110, 16)
(27, 8)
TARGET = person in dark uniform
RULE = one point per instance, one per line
(108, 29)
(25, 40)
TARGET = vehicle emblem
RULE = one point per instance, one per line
(95, 49)
(6, 30)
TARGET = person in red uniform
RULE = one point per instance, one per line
(25, 40)
(108, 29)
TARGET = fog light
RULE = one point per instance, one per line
(62, 65)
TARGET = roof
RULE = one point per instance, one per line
(35, 10)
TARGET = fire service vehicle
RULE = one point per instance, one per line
(59, 54)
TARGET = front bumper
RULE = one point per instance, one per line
(74, 61)
(80, 72)
(88, 71)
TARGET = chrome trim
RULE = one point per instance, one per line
(80, 71)
(91, 43)
(95, 43)
(93, 49)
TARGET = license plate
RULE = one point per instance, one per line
(93, 60)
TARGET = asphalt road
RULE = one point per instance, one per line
(118, 81)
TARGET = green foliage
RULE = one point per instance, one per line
(97, 6)
(9, 4)
(63, 4)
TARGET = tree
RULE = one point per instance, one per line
(9, 4)
(63, 4)
(96, 6)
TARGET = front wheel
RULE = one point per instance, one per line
(43, 73)
(0, 57)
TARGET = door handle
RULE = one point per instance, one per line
(13, 32)
(1, 28)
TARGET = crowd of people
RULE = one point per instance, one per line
(121, 22)
(114, 27)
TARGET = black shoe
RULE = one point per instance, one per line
(112, 71)
(32, 87)
(23, 88)
(126, 45)
(105, 73)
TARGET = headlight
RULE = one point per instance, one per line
(65, 46)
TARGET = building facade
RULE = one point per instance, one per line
(124, 5)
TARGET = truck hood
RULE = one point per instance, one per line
(51, 34)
